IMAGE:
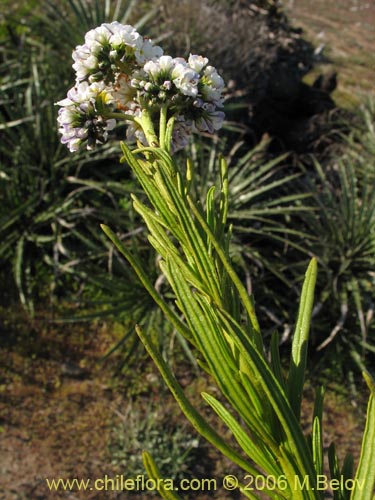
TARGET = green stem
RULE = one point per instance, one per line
(163, 125)
(169, 133)
(145, 121)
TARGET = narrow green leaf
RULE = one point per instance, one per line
(192, 241)
(224, 199)
(275, 359)
(199, 423)
(317, 446)
(154, 473)
(210, 208)
(364, 480)
(169, 313)
(161, 188)
(215, 345)
(259, 454)
(168, 133)
(334, 469)
(236, 281)
(296, 377)
(209, 338)
(273, 393)
(268, 187)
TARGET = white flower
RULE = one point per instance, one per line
(197, 63)
(109, 49)
(98, 37)
(147, 51)
(212, 86)
(213, 95)
(134, 131)
(209, 121)
(83, 94)
(159, 67)
(124, 93)
(185, 79)
(85, 62)
(171, 78)
(182, 131)
(213, 77)
(119, 70)
(80, 119)
(123, 34)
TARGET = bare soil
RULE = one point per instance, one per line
(59, 404)
(53, 423)
(343, 33)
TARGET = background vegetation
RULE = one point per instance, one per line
(301, 177)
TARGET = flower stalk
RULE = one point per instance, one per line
(147, 126)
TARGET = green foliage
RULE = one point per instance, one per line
(51, 203)
(266, 195)
(283, 214)
(340, 231)
(174, 447)
(219, 321)
(344, 230)
(64, 23)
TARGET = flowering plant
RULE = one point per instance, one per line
(122, 76)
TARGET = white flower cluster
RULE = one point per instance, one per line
(119, 71)
(110, 49)
(80, 119)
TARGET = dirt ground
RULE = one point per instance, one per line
(343, 33)
(55, 411)
(59, 404)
